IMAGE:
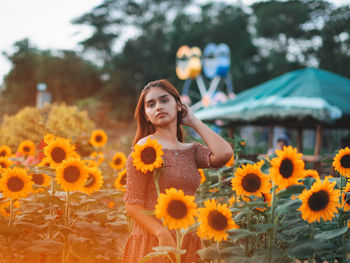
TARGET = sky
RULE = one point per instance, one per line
(47, 24)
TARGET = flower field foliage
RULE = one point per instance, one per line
(274, 210)
(32, 124)
(61, 201)
(57, 205)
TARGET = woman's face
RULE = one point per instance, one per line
(160, 107)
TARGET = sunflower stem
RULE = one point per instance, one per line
(67, 208)
(271, 231)
(156, 174)
(178, 246)
(218, 249)
(11, 212)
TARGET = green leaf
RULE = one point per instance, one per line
(326, 235)
(291, 190)
(241, 233)
(47, 246)
(288, 206)
(151, 255)
(302, 250)
(169, 249)
(208, 253)
(264, 227)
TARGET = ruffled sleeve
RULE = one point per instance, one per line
(136, 184)
(202, 156)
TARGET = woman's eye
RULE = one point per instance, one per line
(164, 100)
(150, 105)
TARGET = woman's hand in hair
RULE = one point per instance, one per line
(188, 118)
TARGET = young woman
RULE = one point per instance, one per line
(159, 114)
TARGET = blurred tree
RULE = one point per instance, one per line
(334, 53)
(288, 33)
(68, 77)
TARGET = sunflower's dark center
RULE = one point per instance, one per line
(345, 161)
(2, 154)
(71, 174)
(123, 179)
(286, 168)
(15, 184)
(91, 179)
(177, 209)
(216, 220)
(318, 201)
(47, 164)
(3, 165)
(148, 155)
(26, 149)
(58, 154)
(117, 161)
(98, 138)
(251, 183)
(38, 179)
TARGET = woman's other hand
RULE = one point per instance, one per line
(166, 239)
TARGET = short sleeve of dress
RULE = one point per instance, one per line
(136, 184)
(202, 156)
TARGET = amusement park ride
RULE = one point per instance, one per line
(215, 64)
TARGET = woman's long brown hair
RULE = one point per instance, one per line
(145, 128)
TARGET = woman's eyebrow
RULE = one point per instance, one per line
(160, 97)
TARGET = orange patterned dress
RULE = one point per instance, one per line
(180, 170)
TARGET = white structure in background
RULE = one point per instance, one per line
(43, 97)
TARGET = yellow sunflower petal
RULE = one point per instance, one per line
(176, 209)
(287, 167)
(72, 174)
(27, 147)
(148, 156)
(98, 138)
(341, 162)
(118, 161)
(320, 202)
(215, 219)
(15, 183)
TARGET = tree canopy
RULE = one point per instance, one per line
(267, 39)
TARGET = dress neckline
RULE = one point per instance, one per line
(178, 150)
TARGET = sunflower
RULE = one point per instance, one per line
(321, 201)
(58, 150)
(49, 138)
(287, 167)
(5, 163)
(249, 180)
(341, 162)
(5, 207)
(27, 147)
(94, 181)
(215, 219)
(118, 161)
(15, 183)
(98, 138)
(346, 197)
(5, 151)
(176, 208)
(72, 174)
(203, 178)
(120, 182)
(231, 162)
(100, 157)
(41, 179)
(311, 174)
(45, 162)
(148, 156)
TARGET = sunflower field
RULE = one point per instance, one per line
(59, 203)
